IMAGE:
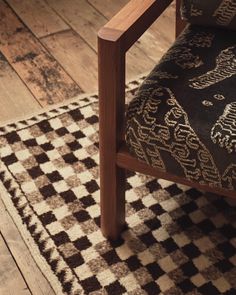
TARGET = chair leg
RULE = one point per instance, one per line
(112, 201)
(111, 64)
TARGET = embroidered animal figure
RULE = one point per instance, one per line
(225, 68)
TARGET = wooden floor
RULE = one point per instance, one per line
(48, 53)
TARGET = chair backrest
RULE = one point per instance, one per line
(217, 13)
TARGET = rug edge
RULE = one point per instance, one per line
(129, 86)
(28, 240)
(47, 109)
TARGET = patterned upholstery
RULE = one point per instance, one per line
(210, 12)
(183, 118)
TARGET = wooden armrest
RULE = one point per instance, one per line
(132, 21)
(114, 39)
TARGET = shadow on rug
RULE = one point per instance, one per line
(179, 241)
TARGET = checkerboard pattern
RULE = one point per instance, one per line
(179, 240)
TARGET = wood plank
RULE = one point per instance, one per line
(138, 63)
(10, 276)
(82, 17)
(38, 16)
(112, 7)
(86, 21)
(15, 98)
(32, 275)
(43, 75)
(164, 27)
(157, 40)
(77, 58)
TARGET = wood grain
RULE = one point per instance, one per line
(10, 276)
(43, 75)
(15, 98)
(78, 59)
(82, 18)
(108, 7)
(164, 27)
(87, 21)
(111, 64)
(38, 16)
(32, 275)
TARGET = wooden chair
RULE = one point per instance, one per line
(114, 40)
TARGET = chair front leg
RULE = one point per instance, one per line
(111, 63)
(112, 200)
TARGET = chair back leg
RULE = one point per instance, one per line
(180, 24)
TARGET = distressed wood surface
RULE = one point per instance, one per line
(38, 16)
(43, 75)
(35, 280)
(81, 67)
(82, 17)
(108, 7)
(10, 276)
(87, 20)
(15, 97)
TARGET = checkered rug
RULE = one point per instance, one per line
(179, 240)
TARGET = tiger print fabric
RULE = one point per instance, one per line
(220, 13)
(183, 118)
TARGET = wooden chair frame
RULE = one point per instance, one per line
(114, 40)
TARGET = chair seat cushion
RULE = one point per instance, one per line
(183, 118)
